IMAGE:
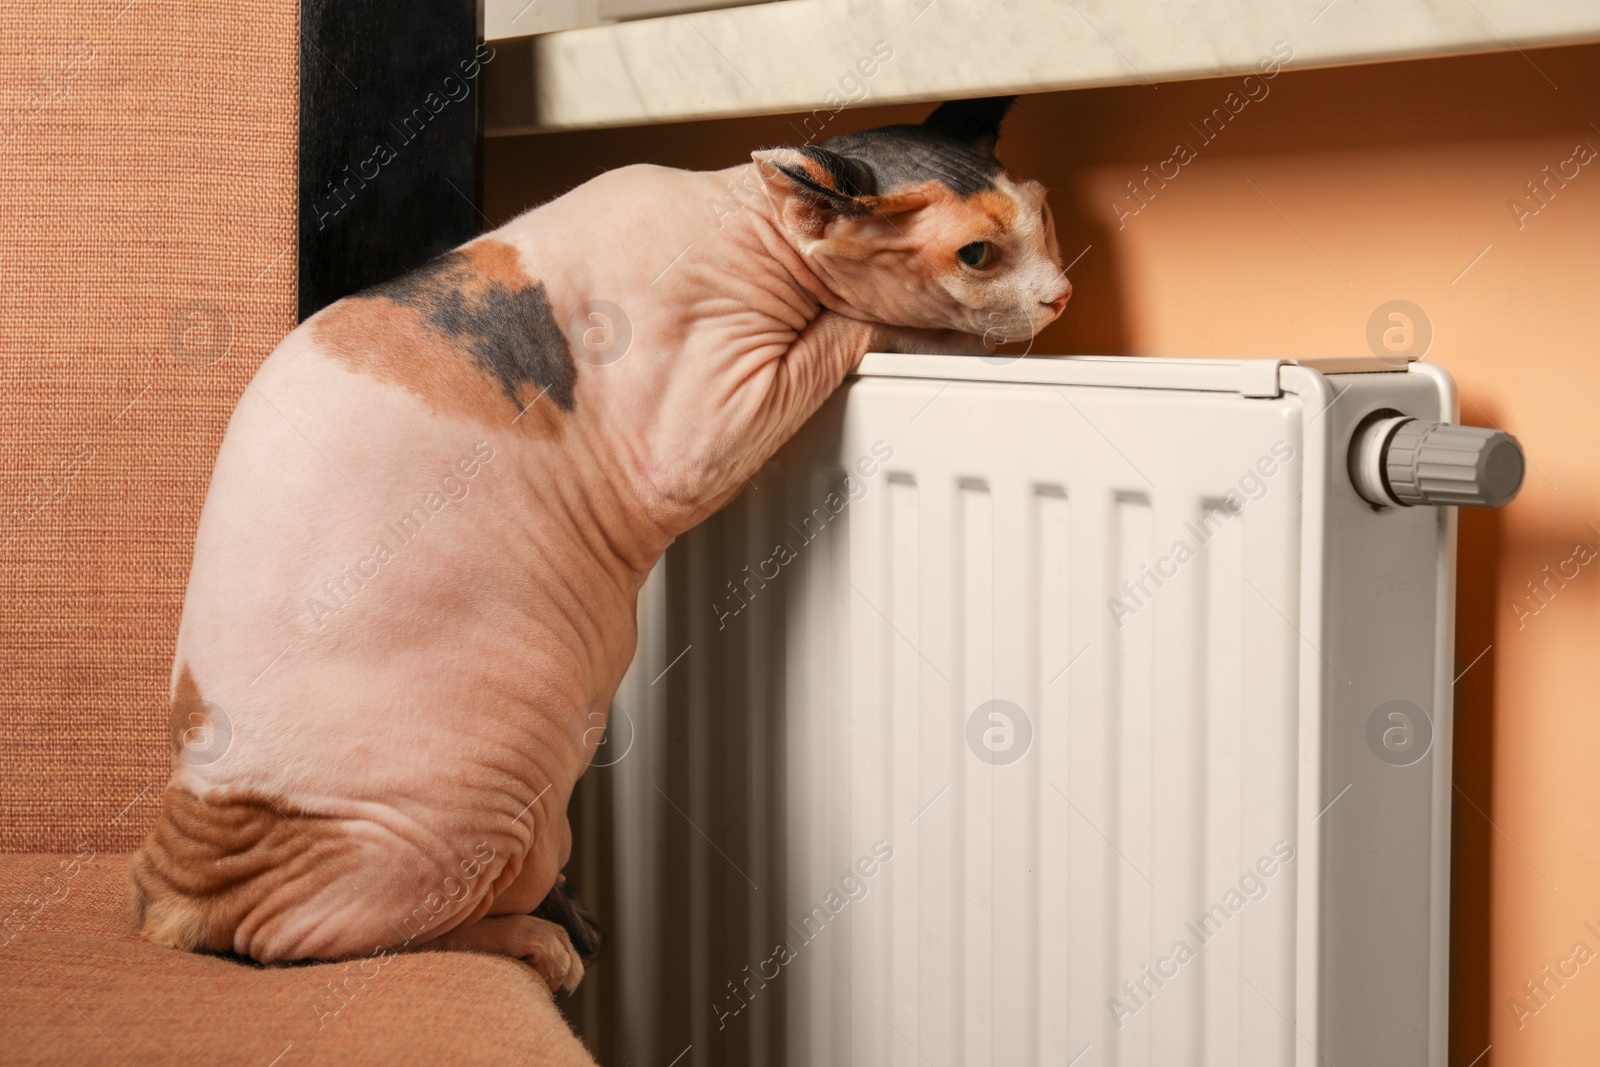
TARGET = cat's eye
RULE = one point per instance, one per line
(975, 255)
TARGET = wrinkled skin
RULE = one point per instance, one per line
(407, 744)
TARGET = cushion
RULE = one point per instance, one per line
(77, 985)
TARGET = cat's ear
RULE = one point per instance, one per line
(975, 122)
(812, 187)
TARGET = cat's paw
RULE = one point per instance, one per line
(545, 946)
(542, 944)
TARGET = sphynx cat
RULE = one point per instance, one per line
(415, 575)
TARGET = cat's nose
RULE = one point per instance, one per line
(1060, 300)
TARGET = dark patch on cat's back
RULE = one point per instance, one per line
(478, 297)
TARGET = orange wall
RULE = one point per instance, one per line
(1337, 192)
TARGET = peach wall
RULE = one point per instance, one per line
(1334, 193)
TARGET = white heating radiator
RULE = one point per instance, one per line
(1066, 711)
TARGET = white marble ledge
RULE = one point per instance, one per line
(801, 55)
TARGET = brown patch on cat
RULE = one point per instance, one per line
(393, 345)
(538, 416)
(189, 711)
(998, 205)
(986, 215)
(468, 331)
(210, 861)
(803, 168)
(495, 262)
(911, 196)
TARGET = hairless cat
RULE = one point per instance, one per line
(415, 575)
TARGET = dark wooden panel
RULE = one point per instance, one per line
(389, 119)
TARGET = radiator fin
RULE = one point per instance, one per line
(1129, 826)
(1222, 572)
(1049, 887)
(902, 554)
(974, 781)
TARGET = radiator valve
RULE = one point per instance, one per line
(1398, 460)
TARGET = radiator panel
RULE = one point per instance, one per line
(1047, 644)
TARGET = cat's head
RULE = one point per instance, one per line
(921, 226)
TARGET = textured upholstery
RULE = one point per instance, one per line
(77, 986)
(148, 160)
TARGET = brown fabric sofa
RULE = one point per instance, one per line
(77, 986)
(148, 167)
